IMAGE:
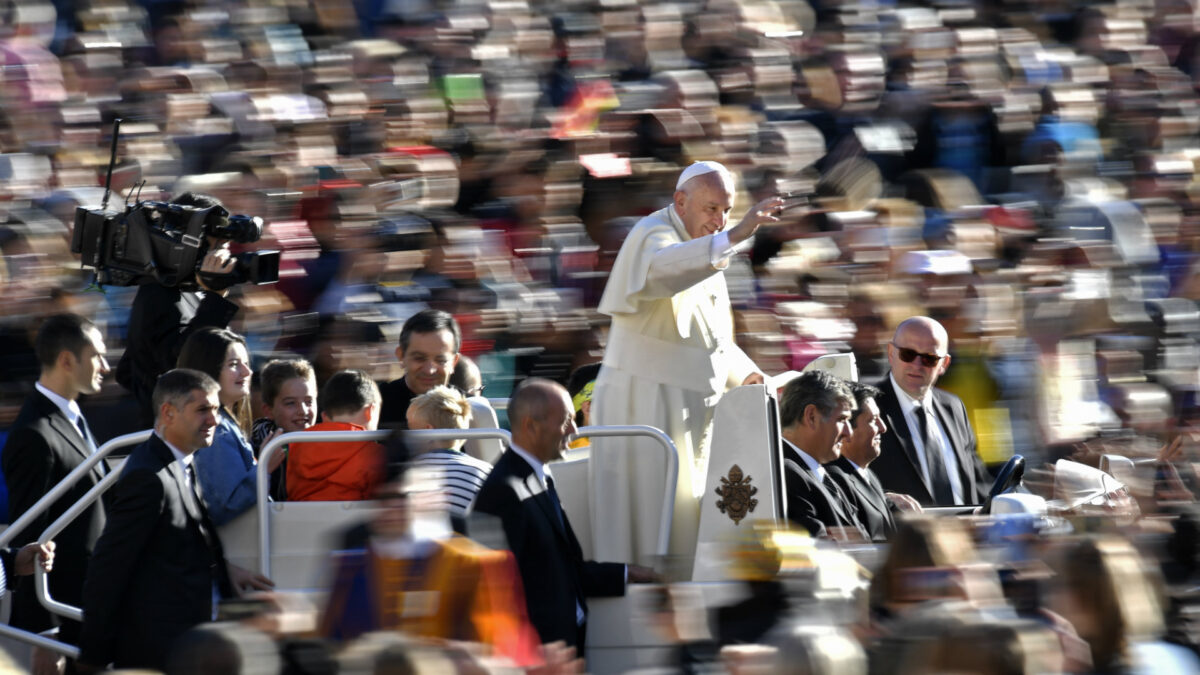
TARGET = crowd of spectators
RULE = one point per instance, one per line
(1025, 172)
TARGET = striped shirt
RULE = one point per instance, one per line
(459, 474)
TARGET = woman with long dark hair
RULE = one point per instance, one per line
(226, 469)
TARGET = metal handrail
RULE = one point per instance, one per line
(269, 450)
(34, 512)
(67, 483)
(262, 483)
(668, 507)
(41, 582)
(69, 651)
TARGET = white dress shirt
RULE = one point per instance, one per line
(857, 469)
(813, 465)
(69, 408)
(949, 458)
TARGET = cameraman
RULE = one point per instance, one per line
(162, 318)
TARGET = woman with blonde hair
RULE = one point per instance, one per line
(458, 475)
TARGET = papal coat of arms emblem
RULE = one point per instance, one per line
(736, 495)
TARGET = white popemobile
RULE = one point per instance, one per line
(290, 541)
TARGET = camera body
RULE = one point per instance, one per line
(164, 243)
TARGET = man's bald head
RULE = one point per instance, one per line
(542, 418)
(923, 327)
(918, 355)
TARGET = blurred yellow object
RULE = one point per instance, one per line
(762, 552)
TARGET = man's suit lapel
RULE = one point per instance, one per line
(536, 493)
(835, 506)
(199, 515)
(870, 498)
(191, 505)
(889, 405)
(67, 431)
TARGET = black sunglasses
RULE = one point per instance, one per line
(907, 355)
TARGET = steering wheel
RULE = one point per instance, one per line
(1007, 479)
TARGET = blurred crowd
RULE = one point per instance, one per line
(1025, 172)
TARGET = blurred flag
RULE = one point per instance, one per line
(581, 115)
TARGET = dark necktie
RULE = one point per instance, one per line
(580, 614)
(938, 478)
(90, 440)
(203, 521)
(554, 500)
(840, 502)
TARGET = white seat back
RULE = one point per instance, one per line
(483, 416)
(745, 477)
(302, 536)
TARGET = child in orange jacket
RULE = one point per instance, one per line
(341, 470)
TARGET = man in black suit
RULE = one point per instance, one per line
(928, 452)
(429, 344)
(850, 471)
(49, 439)
(814, 412)
(158, 568)
(520, 492)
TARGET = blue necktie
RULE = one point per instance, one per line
(90, 440)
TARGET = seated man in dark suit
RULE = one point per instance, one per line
(850, 472)
(814, 412)
(928, 451)
(520, 492)
(158, 567)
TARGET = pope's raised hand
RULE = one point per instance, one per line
(763, 213)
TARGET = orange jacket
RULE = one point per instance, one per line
(333, 471)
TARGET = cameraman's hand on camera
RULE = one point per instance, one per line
(217, 262)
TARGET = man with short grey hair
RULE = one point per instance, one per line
(814, 413)
(158, 568)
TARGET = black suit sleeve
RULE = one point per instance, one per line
(603, 579)
(8, 558)
(28, 462)
(162, 329)
(157, 333)
(132, 516)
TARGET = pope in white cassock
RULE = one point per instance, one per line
(670, 357)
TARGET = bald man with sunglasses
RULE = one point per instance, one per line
(928, 451)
